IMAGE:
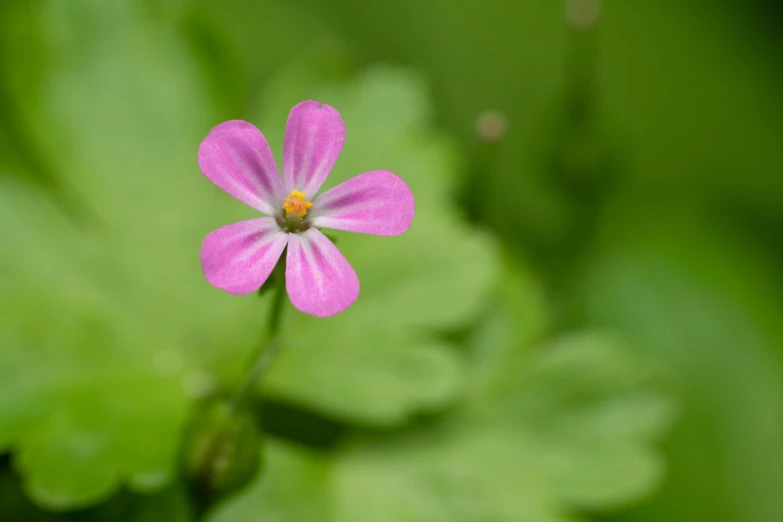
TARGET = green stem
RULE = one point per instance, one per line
(267, 352)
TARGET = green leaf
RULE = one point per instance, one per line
(556, 435)
(377, 360)
(572, 430)
(589, 411)
(170, 504)
(516, 318)
(81, 406)
(372, 375)
(544, 429)
(95, 391)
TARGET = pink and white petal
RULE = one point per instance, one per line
(238, 258)
(314, 137)
(320, 281)
(377, 202)
(236, 157)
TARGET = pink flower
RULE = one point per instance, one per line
(238, 258)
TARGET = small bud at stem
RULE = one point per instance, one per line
(491, 126)
(583, 14)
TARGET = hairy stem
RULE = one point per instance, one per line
(268, 350)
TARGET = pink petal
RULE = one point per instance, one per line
(238, 258)
(377, 202)
(236, 157)
(314, 137)
(320, 281)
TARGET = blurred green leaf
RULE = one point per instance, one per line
(572, 430)
(591, 411)
(96, 389)
(86, 403)
(170, 504)
(370, 375)
(516, 318)
(556, 437)
(379, 366)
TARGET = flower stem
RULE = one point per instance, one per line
(268, 350)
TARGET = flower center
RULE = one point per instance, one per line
(295, 204)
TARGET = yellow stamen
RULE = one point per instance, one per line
(295, 204)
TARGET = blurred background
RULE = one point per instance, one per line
(585, 321)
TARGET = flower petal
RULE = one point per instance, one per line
(314, 137)
(238, 258)
(236, 157)
(320, 281)
(377, 202)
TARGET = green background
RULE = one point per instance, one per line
(584, 323)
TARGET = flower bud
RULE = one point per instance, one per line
(221, 452)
